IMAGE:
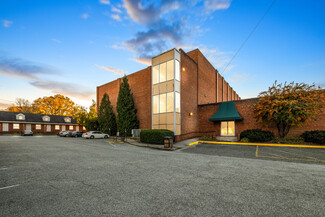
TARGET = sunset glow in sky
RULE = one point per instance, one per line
(70, 47)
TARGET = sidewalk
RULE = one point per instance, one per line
(176, 146)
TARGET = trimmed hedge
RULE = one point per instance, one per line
(155, 136)
(316, 136)
(257, 135)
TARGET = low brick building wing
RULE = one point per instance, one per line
(15, 122)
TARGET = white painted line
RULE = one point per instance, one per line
(3, 168)
(12, 186)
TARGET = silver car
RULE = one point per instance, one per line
(95, 135)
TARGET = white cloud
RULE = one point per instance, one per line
(116, 17)
(213, 5)
(104, 2)
(67, 89)
(149, 14)
(110, 69)
(116, 10)
(85, 16)
(56, 40)
(6, 23)
(145, 61)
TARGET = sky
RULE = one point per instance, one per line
(71, 47)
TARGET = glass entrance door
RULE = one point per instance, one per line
(227, 128)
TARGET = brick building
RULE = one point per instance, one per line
(15, 122)
(184, 93)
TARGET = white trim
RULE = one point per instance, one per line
(5, 129)
(20, 115)
(46, 117)
(34, 122)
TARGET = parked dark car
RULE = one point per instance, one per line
(26, 133)
(76, 133)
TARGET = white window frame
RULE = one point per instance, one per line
(57, 127)
(5, 127)
(48, 128)
(71, 127)
(16, 128)
(38, 128)
(67, 120)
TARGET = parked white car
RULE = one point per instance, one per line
(95, 135)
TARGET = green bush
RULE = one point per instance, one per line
(155, 136)
(257, 135)
(298, 140)
(244, 140)
(316, 136)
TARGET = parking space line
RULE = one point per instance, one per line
(294, 154)
(12, 186)
(260, 144)
(275, 156)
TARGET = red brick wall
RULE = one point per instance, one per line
(245, 109)
(220, 88)
(189, 95)
(22, 126)
(206, 78)
(140, 84)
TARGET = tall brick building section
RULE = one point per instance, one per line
(180, 91)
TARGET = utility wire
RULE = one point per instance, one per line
(249, 35)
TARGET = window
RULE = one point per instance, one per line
(48, 128)
(46, 118)
(166, 87)
(170, 102)
(162, 72)
(70, 127)
(162, 103)
(156, 104)
(177, 71)
(63, 127)
(67, 119)
(16, 126)
(38, 126)
(5, 127)
(57, 127)
(177, 102)
(20, 117)
(84, 128)
(170, 70)
(155, 75)
(227, 128)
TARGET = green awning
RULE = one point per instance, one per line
(226, 112)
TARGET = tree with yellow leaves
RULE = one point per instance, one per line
(286, 105)
(55, 105)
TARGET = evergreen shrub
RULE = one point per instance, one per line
(316, 136)
(257, 135)
(155, 136)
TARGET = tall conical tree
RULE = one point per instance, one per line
(106, 116)
(126, 111)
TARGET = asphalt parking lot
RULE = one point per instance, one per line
(52, 176)
(288, 154)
